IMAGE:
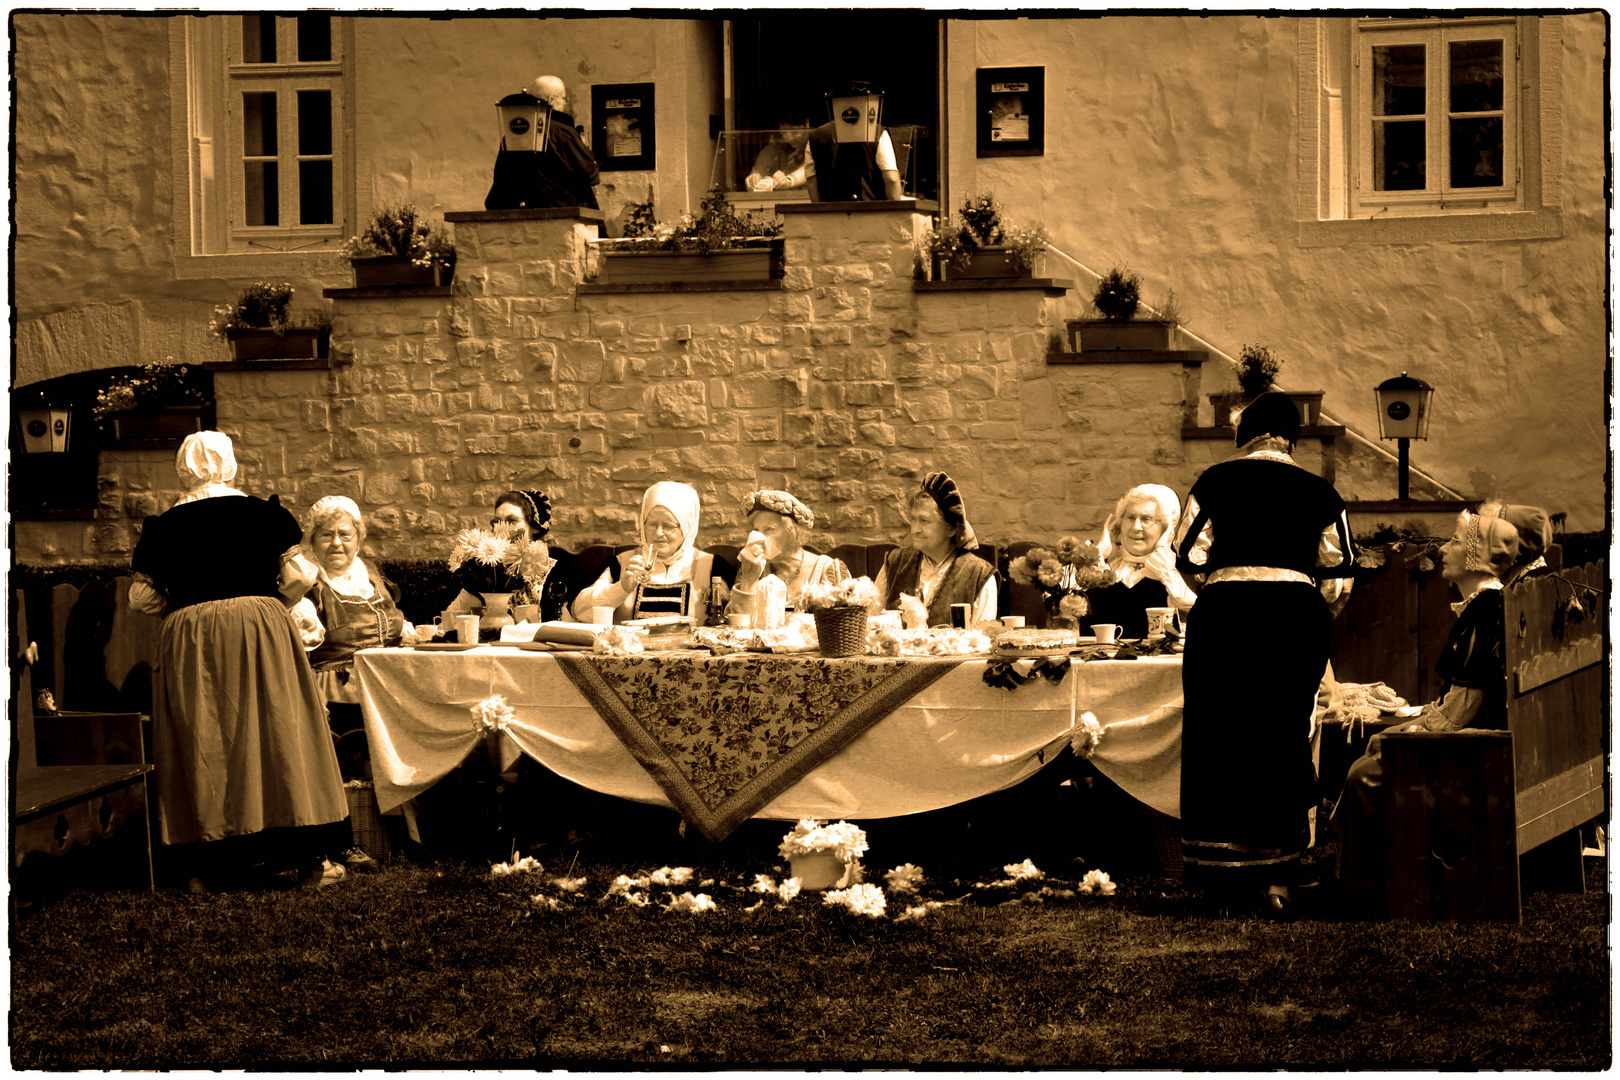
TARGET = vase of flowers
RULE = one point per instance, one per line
(841, 613)
(1064, 577)
(824, 856)
(400, 249)
(496, 562)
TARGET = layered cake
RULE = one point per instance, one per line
(1030, 641)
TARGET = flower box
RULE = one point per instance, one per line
(987, 262)
(396, 272)
(1101, 335)
(736, 264)
(294, 344)
(1224, 403)
(156, 429)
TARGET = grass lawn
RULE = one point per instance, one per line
(444, 964)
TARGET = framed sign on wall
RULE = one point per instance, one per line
(622, 126)
(1012, 111)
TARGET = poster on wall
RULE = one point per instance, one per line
(1012, 111)
(622, 123)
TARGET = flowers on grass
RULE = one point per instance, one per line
(919, 911)
(687, 902)
(860, 899)
(570, 885)
(526, 865)
(681, 875)
(904, 878)
(842, 840)
(783, 893)
(492, 714)
(1096, 881)
(1024, 871)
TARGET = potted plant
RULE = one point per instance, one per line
(153, 406)
(400, 249)
(982, 244)
(1115, 326)
(493, 563)
(259, 326)
(841, 612)
(717, 245)
(824, 856)
(1256, 369)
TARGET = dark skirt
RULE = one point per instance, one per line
(1256, 652)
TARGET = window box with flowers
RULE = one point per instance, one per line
(718, 245)
(983, 244)
(259, 326)
(154, 406)
(400, 250)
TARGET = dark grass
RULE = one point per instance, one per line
(443, 965)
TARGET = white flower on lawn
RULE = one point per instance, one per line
(918, 911)
(526, 865)
(687, 902)
(637, 899)
(787, 891)
(571, 885)
(1096, 881)
(492, 714)
(544, 902)
(1024, 871)
(624, 883)
(764, 883)
(861, 899)
(680, 875)
(755, 906)
(904, 878)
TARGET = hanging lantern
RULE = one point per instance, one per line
(525, 121)
(856, 115)
(45, 431)
(1403, 407)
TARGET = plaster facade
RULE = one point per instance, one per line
(846, 384)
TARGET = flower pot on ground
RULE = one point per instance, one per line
(822, 870)
(1102, 335)
(401, 249)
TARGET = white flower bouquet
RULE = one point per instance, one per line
(843, 841)
(500, 559)
(858, 592)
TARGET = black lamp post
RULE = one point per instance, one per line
(1403, 415)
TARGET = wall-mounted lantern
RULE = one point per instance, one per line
(45, 431)
(525, 121)
(856, 115)
(1403, 415)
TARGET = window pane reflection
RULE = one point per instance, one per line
(1398, 156)
(1476, 152)
(1476, 76)
(1397, 85)
(259, 180)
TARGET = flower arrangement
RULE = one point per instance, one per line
(859, 899)
(904, 878)
(492, 714)
(265, 305)
(1065, 576)
(1256, 369)
(1096, 881)
(842, 840)
(150, 386)
(402, 232)
(982, 225)
(858, 592)
(1088, 732)
(1117, 296)
(500, 559)
(718, 227)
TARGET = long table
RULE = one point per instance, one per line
(599, 722)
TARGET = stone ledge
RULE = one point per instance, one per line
(389, 292)
(1408, 506)
(853, 206)
(301, 364)
(549, 213)
(592, 288)
(1308, 431)
(1052, 286)
(1130, 356)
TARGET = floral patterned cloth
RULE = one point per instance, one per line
(724, 736)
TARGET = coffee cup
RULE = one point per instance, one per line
(1012, 622)
(527, 612)
(1106, 632)
(467, 629)
(601, 616)
(1159, 620)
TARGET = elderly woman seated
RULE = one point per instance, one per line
(1138, 542)
(666, 573)
(938, 568)
(1483, 549)
(1534, 527)
(556, 591)
(778, 524)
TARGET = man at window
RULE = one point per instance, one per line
(563, 174)
(842, 171)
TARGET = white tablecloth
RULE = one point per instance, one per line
(955, 741)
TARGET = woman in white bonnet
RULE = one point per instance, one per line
(1137, 543)
(245, 771)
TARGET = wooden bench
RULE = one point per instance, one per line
(1466, 807)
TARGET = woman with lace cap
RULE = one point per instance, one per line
(937, 568)
(245, 771)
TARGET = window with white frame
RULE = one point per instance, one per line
(271, 158)
(1435, 116)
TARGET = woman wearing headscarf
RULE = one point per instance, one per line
(1261, 533)
(937, 568)
(245, 767)
(783, 522)
(554, 593)
(1483, 551)
(1138, 544)
(666, 573)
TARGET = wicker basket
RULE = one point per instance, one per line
(365, 821)
(841, 631)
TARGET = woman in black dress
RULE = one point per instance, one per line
(562, 583)
(1271, 544)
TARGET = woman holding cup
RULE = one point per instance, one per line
(778, 523)
(1136, 543)
(666, 573)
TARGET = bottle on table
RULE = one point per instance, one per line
(715, 613)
